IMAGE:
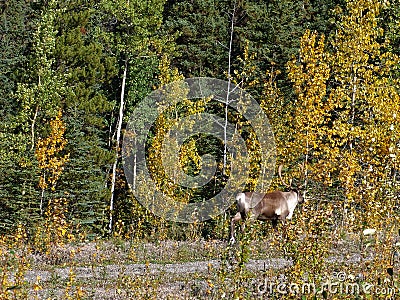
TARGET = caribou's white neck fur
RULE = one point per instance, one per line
(292, 200)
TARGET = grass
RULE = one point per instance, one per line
(198, 269)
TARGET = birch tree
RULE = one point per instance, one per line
(133, 29)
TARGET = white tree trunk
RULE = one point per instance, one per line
(229, 85)
(42, 195)
(118, 138)
(33, 128)
(134, 166)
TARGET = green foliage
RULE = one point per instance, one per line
(274, 28)
(202, 34)
(18, 19)
(30, 100)
(88, 71)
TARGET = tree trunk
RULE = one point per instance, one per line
(42, 195)
(117, 148)
(33, 128)
(229, 85)
(134, 165)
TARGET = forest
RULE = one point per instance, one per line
(76, 84)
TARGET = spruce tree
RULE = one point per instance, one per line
(88, 72)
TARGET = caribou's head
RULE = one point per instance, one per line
(298, 189)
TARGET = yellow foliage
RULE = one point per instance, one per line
(244, 76)
(309, 74)
(363, 124)
(168, 75)
(47, 154)
(343, 125)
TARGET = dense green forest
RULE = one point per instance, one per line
(325, 73)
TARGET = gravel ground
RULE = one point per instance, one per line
(171, 289)
(178, 269)
(162, 270)
(112, 272)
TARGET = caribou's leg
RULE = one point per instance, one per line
(275, 224)
(235, 219)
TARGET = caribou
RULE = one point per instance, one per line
(272, 206)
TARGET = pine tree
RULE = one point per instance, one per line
(202, 36)
(18, 19)
(88, 71)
